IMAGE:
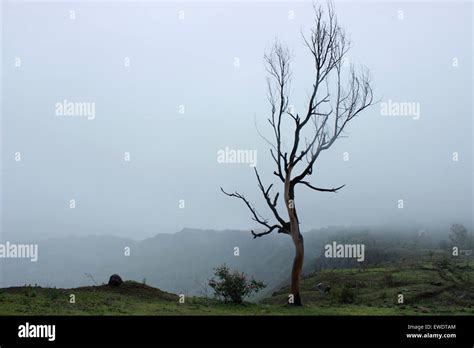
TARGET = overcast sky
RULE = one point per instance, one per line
(174, 83)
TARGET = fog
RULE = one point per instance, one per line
(174, 83)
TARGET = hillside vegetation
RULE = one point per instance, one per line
(431, 285)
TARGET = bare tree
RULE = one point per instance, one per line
(337, 96)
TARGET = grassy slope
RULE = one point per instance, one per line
(429, 287)
(138, 299)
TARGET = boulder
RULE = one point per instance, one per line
(323, 287)
(115, 280)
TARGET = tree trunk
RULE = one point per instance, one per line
(297, 241)
(297, 265)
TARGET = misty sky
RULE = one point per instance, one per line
(190, 62)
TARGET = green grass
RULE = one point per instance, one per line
(105, 300)
(429, 287)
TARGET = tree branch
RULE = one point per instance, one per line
(256, 216)
(271, 204)
(256, 235)
(321, 189)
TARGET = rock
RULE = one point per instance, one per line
(322, 287)
(115, 280)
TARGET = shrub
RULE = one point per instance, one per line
(344, 295)
(233, 286)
